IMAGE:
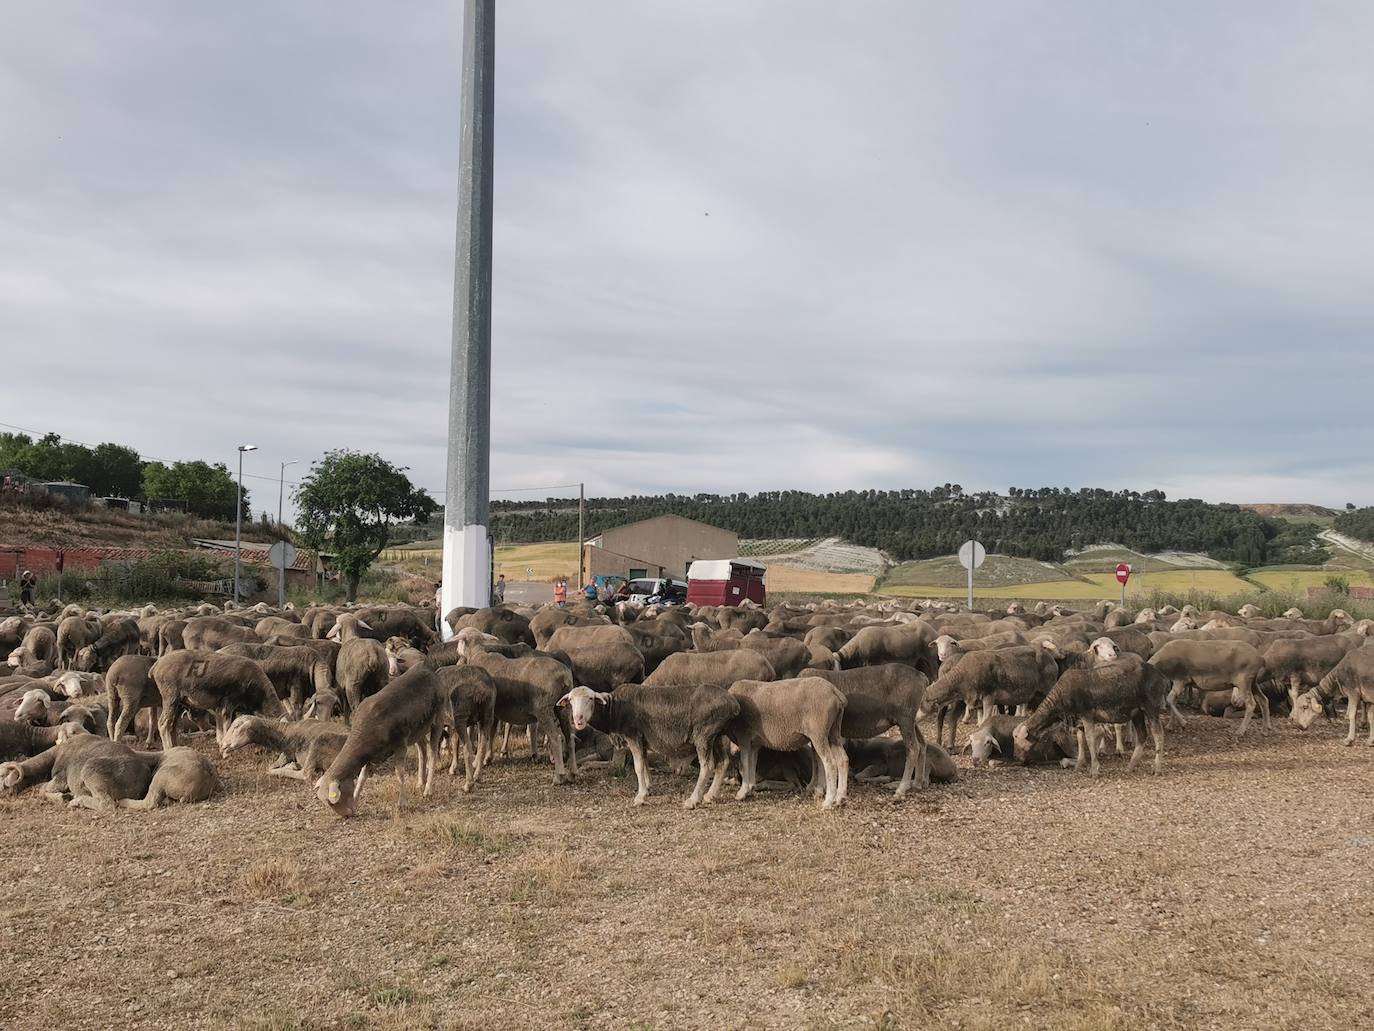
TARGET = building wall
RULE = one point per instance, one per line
(671, 543)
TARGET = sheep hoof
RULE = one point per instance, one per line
(639, 800)
(1348, 742)
(691, 803)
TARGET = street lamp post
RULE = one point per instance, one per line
(238, 520)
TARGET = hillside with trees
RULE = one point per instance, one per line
(1045, 523)
(1357, 523)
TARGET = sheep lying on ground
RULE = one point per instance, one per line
(305, 747)
(20, 740)
(883, 760)
(98, 773)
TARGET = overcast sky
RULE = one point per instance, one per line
(739, 246)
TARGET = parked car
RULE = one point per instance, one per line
(658, 589)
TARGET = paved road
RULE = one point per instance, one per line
(524, 592)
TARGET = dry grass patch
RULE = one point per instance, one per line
(459, 834)
(273, 879)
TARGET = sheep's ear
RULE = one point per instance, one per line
(996, 746)
(602, 697)
(363, 625)
(563, 702)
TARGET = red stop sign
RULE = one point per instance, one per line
(1123, 573)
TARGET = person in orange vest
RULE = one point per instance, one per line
(560, 592)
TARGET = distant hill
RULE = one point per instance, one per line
(1269, 511)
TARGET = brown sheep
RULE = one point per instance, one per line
(223, 685)
(719, 669)
(472, 700)
(305, 747)
(296, 673)
(73, 634)
(1352, 677)
(129, 688)
(1211, 665)
(786, 655)
(119, 637)
(788, 715)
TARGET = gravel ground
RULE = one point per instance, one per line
(1233, 891)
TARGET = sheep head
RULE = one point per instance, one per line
(946, 647)
(33, 706)
(237, 736)
(1293, 613)
(1105, 649)
(1248, 611)
(581, 703)
(335, 795)
(1306, 709)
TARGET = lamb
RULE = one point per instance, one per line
(129, 688)
(1125, 690)
(719, 669)
(674, 722)
(119, 637)
(787, 715)
(305, 747)
(411, 710)
(223, 685)
(1007, 676)
(878, 698)
(882, 760)
(296, 673)
(472, 702)
(1353, 677)
(1210, 665)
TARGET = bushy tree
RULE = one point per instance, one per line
(206, 490)
(347, 505)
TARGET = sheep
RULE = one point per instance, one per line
(208, 633)
(472, 702)
(872, 645)
(786, 655)
(20, 740)
(565, 638)
(413, 709)
(171, 636)
(605, 666)
(996, 734)
(500, 622)
(1296, 664)
(361, 669)
(719, 669)
(37, 650)
(674, 722)
(655, 645)
(322, 705)
(119, 637)
(305, 747)
(788, 715)
(527, 692)
(224, 685)
(1008, 676)
(179, 775)
(92, 718)
(1210, 665)
(129, 688)
(831, 637)
(878, 698)
(1126, 689)
(73, 634)
(882, 760)
(396, 621)
(277, 626)
(98, 773)
(1353, 677)
(704, 639)
(296, 672)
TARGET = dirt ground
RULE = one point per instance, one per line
(1233, 891)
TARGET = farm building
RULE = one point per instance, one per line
(663, 546)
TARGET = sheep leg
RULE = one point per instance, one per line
(641, 770)
(358, 784)
(748, 759)
(1156, 726)
(1352, 708)
(151, 800)
(704, 768)
(472, 767)
(287, 771)
(1249, 711)
(1136, 752)
(549, 723)
(722, 763)
(1264, 708)
(840, 760)
(505, 742)
(1121, 745)
(915, 760)
(121, 718)
(1090, 732)
(166, 724)
(817, 784)
(532, 732)
(1175, 716)
(827, 764)
(112, 717)
(1081, 743)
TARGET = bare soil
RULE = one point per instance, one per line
(1232, 891)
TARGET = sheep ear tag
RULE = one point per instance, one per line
(334, 794)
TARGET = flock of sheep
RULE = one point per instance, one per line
(782, 698)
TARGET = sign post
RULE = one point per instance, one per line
(281, 555)
(971, 556)
(1123, 573)
(61, 563)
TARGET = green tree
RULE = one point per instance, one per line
(347, 504)
(206, 490)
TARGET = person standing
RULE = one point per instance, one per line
(27, 583)
(560, 592)
(498, 593)
(439, 605)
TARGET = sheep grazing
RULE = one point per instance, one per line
(675, 722)
(119, 637)
(786, 655)
(1302, 663)
(411, 710)
(787, 715)
(527, 693)
(37, 651)
(995, 736)
(1210, 666)
(1352, 677)
(223, 685)
(604, 665)
(1125, 689)
(73, 634)
(305, 747)
(984, 679)
(878, 698)
(472, 702)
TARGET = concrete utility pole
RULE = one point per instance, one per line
(467, 555)
(238, 519)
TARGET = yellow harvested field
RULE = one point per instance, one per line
(1051, 590)
(1220, 582)
(797, 579)
(1093, 587)
(547, 560)
(1296, 581)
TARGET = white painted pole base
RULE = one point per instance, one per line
(467, 571)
